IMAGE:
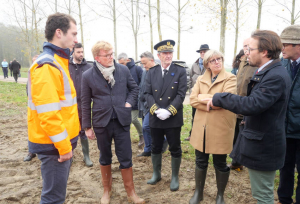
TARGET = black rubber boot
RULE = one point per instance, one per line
(222, 179)
(156, 162)
(174, 186)
(200, 176)
(85, 151)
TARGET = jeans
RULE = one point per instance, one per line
(136, 122)
(121, 135)
(262, 186)
(147, 133)
(55, 177)
(287, 173)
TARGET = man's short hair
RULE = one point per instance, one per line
(268, 40)
(147, 54)
(57, 21)
(78, 45)
(123, 55)
(101, 45)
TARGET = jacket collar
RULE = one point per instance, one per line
(207, 77)
(131, 63)
(82, 63)
(49, 47)
(273, 64)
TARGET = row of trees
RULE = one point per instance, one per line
(29, 16)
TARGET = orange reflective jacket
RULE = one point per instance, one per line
(53, 121)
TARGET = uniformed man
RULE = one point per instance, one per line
(165, 91)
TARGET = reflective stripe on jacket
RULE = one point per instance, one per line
(53, 121)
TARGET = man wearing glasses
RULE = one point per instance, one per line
(261, 144)
(106, 85)
(290, 39)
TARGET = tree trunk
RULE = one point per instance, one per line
(179, 30)
(223, 4)
(69, 7)
(158, 20)
(27, 36)
(80, 21)
(293, 13)
(259, 13)
(236, 26)
(55, 5)
(151, 31)
(115, 28)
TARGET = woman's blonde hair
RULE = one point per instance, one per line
(209, 54)
(101, 45)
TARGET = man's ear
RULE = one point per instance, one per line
(58, 33)
(265, 53)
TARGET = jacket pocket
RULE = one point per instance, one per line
(124, 115)
(252, 144)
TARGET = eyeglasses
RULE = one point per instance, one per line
(251, 49)
(284, 45)
(215, 60)
(107, 56)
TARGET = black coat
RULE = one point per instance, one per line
(76, 71)
(15, 67)
(261, 145)
(168, 93)
(106, 99)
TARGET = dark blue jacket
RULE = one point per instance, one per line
(292, 122)
(142, 103)
(261, 145)
(107, 100)
(136, 73)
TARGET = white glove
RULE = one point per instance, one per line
(163, 114)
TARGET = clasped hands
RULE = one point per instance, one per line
(209, 104)
(162, 114)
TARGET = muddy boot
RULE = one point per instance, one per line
(85, 151)
(156, 163)
(222, 179)
(200, 176)
(106, 182)
(141, 142)
(174, 186)
(127, 176)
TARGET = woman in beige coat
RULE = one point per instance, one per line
(212, 131)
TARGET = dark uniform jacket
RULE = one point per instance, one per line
(292, 122)
(107, 100)
(15, 67)
(76, 71)
(262, 144)
(167, 93)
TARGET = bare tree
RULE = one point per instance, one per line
(223, 7)
(80, 22)
(158, 20)
(293, 16)
(259, 6)
(151, 25)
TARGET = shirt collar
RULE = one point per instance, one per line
(297, 60)
(264, 65)
(162, 69)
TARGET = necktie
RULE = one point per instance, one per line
(294, 69)
(294, 64)
(165, 72)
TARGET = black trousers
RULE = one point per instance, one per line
(173, 138)
(121, 135)
(193, 115)
(238, 129)
(16, 76)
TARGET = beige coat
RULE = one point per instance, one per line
(219, 124)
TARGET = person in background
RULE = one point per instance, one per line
(236, 62)
(4, 68)
(15, 66)
(196, 71)
(9, 66)
(261, 145)
(290, 39)
(113, 91)
(244, 75)
(136, 73)
(213, 130)
(78, 65)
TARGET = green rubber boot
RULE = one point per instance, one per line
(156, 162)
(200, 176)
(174, 186)
(85, 151)
(222, 179)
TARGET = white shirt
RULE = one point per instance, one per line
(297, 60)
(264, 65)
(162, 69)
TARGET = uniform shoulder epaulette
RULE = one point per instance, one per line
(154, 66)
(179, 64)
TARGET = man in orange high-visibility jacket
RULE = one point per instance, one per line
(53, 122)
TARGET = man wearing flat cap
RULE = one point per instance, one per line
(290, 39)
(196, 70)
(165, 92)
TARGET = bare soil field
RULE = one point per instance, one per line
(21, 182)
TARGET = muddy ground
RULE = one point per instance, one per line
(21, 182)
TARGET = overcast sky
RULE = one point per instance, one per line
(203, 31)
